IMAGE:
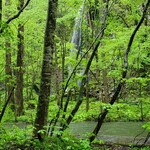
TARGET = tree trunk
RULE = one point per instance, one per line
(49, 44)
(105, 86)
(19, 71)
(87, 93)
(57, 78)
(9, 77)
(8, 70)
(63, 51)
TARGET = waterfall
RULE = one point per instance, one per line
(77, 33)
(76, 40)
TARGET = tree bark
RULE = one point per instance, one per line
(105, 88)
(8, 72)
(49, 44)
(8, 69)
(19, 71)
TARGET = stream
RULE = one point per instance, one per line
(113, 132)
(124, 133)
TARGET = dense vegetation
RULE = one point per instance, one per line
(99, 69)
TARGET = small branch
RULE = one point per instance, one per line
(146, 139)
(133, 35)
(15, 16)
(6, 103)
(123, 20)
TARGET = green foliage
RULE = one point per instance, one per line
(142, 148)
(17, 138)
(14, 137)
(9, 115)
(130, 111)
(21, 138)
(70, 143)
(147, 126)
(122, 20)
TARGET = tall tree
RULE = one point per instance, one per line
(8, 69)
(49, 44)
(19, 71)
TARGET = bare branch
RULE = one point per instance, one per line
(6, 103)
(15, 16)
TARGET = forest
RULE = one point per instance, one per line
(74, 75)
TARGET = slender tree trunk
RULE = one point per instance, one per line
(105, 86)
(87, 93)
(63, 51)
(19, 71)
(8, 70)
(57, 79)
(43, 101)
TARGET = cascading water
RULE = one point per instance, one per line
(76, 40)
(77, 34)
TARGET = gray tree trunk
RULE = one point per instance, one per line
(19, 71)
(49, 44)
